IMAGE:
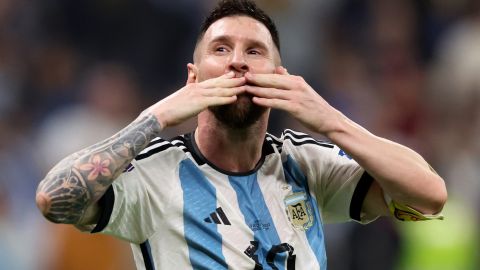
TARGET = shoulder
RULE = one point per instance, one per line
(159, 146)
(296, 139)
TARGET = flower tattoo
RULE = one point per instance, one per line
(96, 167)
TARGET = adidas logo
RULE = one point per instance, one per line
(129, 168)
(214, 217)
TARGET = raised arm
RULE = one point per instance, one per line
(69, 192)
(80, 179)
(399, 172)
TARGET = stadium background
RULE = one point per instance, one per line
(72, 72)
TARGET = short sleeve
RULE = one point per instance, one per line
(343, 189)
(337, 181)
(126, 211)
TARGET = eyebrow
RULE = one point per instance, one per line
(228, 39)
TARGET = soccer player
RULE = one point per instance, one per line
(229, 195)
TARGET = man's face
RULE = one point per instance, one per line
(240, 44)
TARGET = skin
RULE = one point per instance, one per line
(235, 60)
(241, 45)
(70, 189)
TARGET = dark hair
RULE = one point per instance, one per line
(226, 8)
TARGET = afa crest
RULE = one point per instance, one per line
(299, 210)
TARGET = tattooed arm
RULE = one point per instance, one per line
(69, 192)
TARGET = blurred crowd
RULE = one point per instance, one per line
(75, 72)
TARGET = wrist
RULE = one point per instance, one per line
(337, 125)
(152, 124)
(344, 132)
(157, 122)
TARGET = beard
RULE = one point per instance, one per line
(241, 114)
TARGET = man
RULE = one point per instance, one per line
(229, 195)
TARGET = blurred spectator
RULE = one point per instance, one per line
(109, 101)
(455, 92)
(9, 255)
(301, 29)
(455, 95)
(20, 221)
(156, 38)
(51, 78)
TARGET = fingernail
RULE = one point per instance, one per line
(230, 74)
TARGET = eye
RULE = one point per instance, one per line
(254, 52)
(221, 49)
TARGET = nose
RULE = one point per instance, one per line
(238, 63)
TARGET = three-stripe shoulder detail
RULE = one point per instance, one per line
(158, 145)
(274, 142)
(299, 138)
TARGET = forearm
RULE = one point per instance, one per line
(402, 173)
(82, 178)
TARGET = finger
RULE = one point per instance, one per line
(270, 80)
(223, 82)
(211, 81)
(268, 92)
(224, 92)
(230, 74)
(216, 101)
(272, 103)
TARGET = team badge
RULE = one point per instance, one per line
(299, 210)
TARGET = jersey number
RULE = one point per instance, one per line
(284, 247)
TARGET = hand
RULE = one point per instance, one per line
(195, 97)
(292, 94)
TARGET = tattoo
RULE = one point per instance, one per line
(83, 177)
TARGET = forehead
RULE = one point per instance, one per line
(239, 28)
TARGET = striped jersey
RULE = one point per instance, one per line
(179, 211)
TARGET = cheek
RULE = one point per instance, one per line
(211, 67)
(262, 67)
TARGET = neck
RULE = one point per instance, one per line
(233, 150)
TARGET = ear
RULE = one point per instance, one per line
(192, 73)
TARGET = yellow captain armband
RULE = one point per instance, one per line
(407, 213)
(404, 212)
